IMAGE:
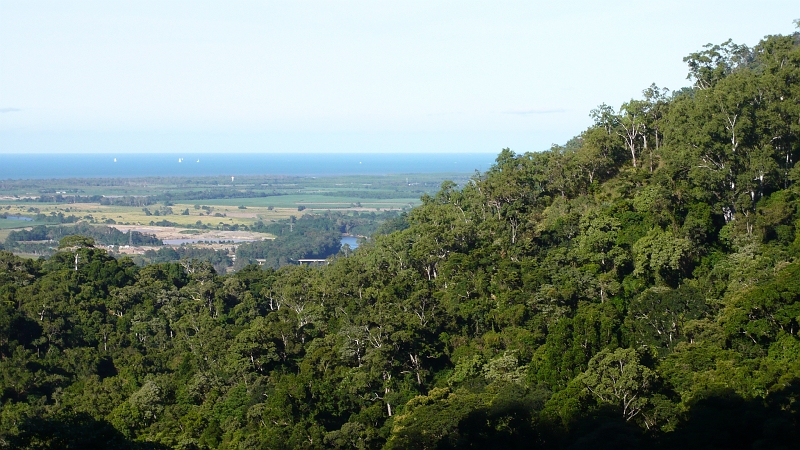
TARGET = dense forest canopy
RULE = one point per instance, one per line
(637, 287)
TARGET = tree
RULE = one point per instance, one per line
(658, 316)
(707, 67)
(631, 121)
(76, 240)
(618, 378)
(661, 254)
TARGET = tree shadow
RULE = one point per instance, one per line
(727, 421)
(722, 420)
(74, 431)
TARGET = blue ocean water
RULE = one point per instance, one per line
(87, 165)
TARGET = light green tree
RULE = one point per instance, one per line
(617, 377)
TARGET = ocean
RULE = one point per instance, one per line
(106, 165)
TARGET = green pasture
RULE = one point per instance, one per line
(4, 234)
(401, 185)
(231, 214)
(312, 193)
(314, 201)
(8, 224)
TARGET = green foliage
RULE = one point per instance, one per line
(637, 286)
(39, 238)
(661, 255)
(659, 316)
(75, 240)
(619, 379)
(309, 237)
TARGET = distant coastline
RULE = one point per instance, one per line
(127, 165)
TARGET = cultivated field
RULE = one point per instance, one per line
(205, 208)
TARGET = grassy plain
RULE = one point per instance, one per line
(136, 215)
(210, 201)
(9, 224)
(4, 233)
(317, 201)
(366, 186)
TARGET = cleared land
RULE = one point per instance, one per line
(10, 224)
(317, 201)
(205, 208)
(172, 233)
(217, 211)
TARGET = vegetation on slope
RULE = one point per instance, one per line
(636, 287)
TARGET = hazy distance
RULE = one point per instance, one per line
(358, 76)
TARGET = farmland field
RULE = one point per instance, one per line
(210, 209)
(9, 224)
(316, 201)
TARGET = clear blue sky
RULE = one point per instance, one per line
(342, 76)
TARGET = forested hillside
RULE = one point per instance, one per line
(637, 287)
(310, 236)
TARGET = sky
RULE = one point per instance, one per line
(342, 76)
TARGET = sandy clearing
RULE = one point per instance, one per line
(175, 233)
